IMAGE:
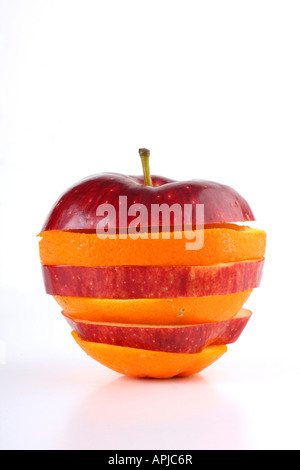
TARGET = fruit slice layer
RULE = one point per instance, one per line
(177, 339)
(129, 282)
(155, 364)
(225, 244)
(176, 311)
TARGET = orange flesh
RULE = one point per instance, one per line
(243, 313)
(144, 363)
(177, 311)
(226, 244)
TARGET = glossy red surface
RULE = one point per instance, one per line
(182, 339)
(76, 209)
(129, 282)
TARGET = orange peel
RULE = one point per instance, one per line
(175, 311)
(144, 363)
(223, 244)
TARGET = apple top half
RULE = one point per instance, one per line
(76, 209)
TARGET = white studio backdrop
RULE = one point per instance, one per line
(212, 89)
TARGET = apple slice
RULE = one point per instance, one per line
(177, 339)
(129, 282)
(135, 362)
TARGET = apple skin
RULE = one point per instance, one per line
(178, 339)
(131, 282)
(76, 208)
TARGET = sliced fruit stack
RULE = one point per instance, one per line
(146, 306)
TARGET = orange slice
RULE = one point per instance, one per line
(226, 244)
(176, 311)
(144, 363)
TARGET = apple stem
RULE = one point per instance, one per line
(145, 154)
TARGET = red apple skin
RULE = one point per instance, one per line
(180, 339)
(132, 282)
(76, 208)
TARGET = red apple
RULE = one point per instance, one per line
(179, 339)
(76, 209)
(114, 201)
(131, 282)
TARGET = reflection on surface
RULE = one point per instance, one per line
(183, 413)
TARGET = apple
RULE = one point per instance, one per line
(131, 282)
(178, 339)
(112, 201)
(76, 209)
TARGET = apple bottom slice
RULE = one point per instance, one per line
(186, 339)
(135, 362)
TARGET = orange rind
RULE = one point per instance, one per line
(153, 364)
(176, 311)
(224, 244)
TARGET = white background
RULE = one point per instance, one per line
(213, 89)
